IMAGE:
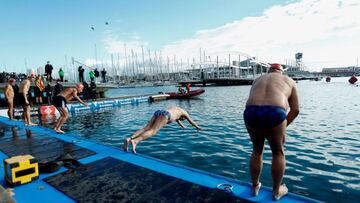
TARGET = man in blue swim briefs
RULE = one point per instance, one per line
(159, 120)
(266, 117)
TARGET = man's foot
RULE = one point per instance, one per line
(133, 143)
(126, 144)
(283, 190)
(256, 188)
(59, 131)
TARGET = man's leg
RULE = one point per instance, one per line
(24, 114)
(256, 164)
(10, 110)
(276, 138)
(137, 133)
(64, 116)
(61, 115)
(150, 131)
(27, 116)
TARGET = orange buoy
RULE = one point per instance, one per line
(328, 79)
(353, 80)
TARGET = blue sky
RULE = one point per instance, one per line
(41, 30)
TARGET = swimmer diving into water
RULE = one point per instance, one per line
(159, 120)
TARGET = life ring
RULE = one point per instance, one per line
(47, 110)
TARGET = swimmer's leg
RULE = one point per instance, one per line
(145, 135)
(256, 164)
(137, 134)
(276, 137)
(64, 116)
(151, 131)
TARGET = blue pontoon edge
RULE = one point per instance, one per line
(40, 191)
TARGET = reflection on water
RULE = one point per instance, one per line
(322, 145)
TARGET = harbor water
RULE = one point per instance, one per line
(322, 145)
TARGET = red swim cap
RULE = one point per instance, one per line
(11, 80)
(277, 66)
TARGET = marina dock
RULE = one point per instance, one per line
(219, 82)
(101, 88)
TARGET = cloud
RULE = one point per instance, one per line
(326, 31)
(113, 43)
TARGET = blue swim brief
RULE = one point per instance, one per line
(264, 116)
(165, 113)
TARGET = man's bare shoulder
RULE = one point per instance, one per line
(260, 78)
(289, 80)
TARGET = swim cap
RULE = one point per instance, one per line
(277, 66)
(79, 85)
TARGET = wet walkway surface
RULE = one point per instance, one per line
(103, 178)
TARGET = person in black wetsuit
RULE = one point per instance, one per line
(57, 88)
(49, 92)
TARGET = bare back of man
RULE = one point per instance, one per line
(266, 117)
(24, 99)
(9, 94)
(157, 121)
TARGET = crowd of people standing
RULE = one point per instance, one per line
(46, 86)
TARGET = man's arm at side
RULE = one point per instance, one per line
(7, 91)
(294, 106)
(26, 91)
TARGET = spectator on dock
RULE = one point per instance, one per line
(61, 75)
(9, 97)
(159, 120)
(265, 117)
(81, 71)
(38, 89)
(62, 99)
(97, 74)
(48, 71)
(93, 90)
(92, 75)
(86, 91)
(16, 95)
(57, 88)
(49, 92)
(103, 75)
(24, 98)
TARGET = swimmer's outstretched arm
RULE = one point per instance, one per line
(192, 122)
(180, 124)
